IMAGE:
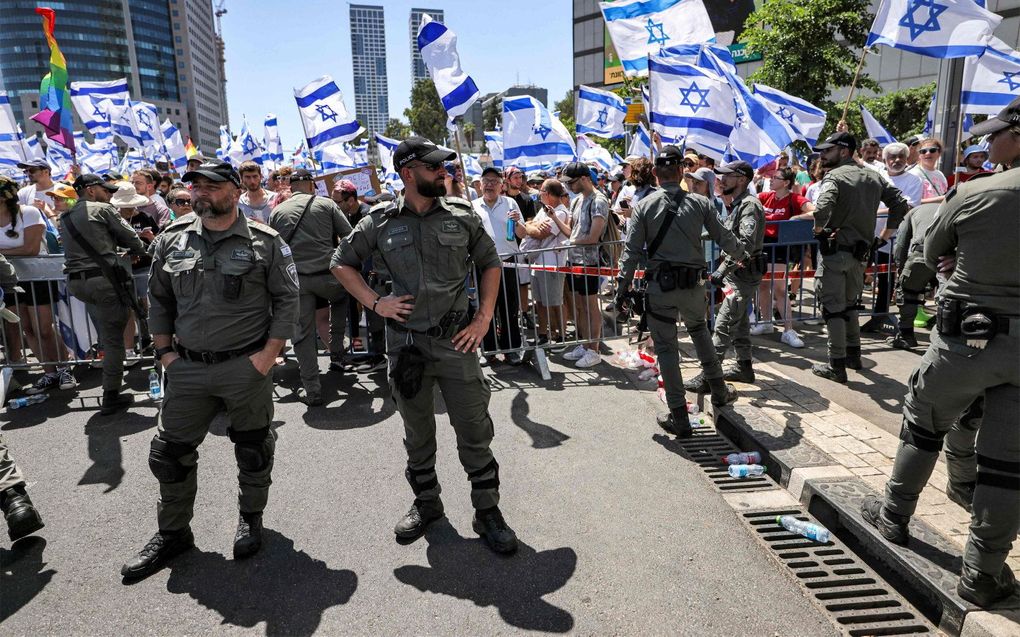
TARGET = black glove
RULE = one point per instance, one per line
(622, 300)
(716, 278)
(878, 243)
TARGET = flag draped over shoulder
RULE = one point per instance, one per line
(438, 47)
(54, 98)
(936, 28)
(639, 28)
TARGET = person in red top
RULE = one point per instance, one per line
(974, 158)
(780, 205)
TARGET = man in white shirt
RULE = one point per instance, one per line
(40, 181)
(255, 202)
(495, 209)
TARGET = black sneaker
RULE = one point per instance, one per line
(892, 527)
(158, 551)
(373, 364)
(902, 340)
(310, 398)
(114, 401)
(677, 422)
(489, 524)
(46, 382)
(834, 370)
(697, 385)
(21, 516)
(66, 378)
(415, 521)
(984, 590)
(740, 372)
(248, 538)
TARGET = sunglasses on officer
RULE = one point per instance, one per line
(431, 167)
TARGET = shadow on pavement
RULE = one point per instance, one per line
(542, 436)
(23, 574)
(287, 589)
(466, 569)
(105, 452)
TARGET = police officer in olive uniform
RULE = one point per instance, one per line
(975, 349)
(427, 243)
(99, 224)
(845, 214)
(914, 273)
(746, 221)
(675, 275)
(312, 227)
(224, 295)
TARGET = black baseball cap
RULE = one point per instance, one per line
(1009, 116)
(738, 167)
(421, 149)
(670, 155)
(846, 140)
(33, 163)
(575, 170)
(301, 174)
(89, 179)
(492, 170)
(913, 140)
(215, 170)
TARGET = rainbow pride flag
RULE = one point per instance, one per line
(54, 97)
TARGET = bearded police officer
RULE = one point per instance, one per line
(93, 230)
(426, 242)
(746, 220)
(312, 227)
(223, 292)
(974, 349)
(669, 222)
(845, 215)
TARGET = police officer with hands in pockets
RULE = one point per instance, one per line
(427, 243)
(669, 222)
(223, 294)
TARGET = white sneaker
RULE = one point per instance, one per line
(792, 338)
(575, 354)
(590, 358)
(757, 329)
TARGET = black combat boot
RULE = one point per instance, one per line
(893, 527)
(676, 422)
(489, 524)
(835, 370)
(742, 372)
(853, 357)
(114, 401)
(22, 518)
(961, 493)
(722, 394)
(422, 514)
(697, 385)
(904, 339)
(163, 546)
(248, 539)
(984, 590)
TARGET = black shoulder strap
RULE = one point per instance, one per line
(660, 236)
(311, 200)
(108, 268)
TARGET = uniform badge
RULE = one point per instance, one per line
(242, 254)
(292, 273)
(451, 226)
(285, 250)
(182, 254)
(397, 230)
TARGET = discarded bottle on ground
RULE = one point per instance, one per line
(25, 401)
(745, 470)
(155, 389)
(744, 457)
(807, 529)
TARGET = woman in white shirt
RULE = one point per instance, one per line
(546, 232)
(934, 183)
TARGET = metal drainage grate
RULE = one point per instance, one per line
(858, 598)
(706, 448)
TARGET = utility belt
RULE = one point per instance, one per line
(211, 358)
(974, 324)
(678, 277)
(756, 264)
(85, 274)
(451, 323)
(828, 245)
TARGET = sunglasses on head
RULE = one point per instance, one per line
(928, 151)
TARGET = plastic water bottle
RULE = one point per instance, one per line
(692, 408)
(510, 226)
(155, 389)
(807, 529)
(25, 401)
(744, 457)
(745, 470)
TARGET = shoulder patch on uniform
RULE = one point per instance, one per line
(382, 207)
(460, 202)
(292, 273)
(396, 230)
(451, 225)
(264, 229)
(285, 250)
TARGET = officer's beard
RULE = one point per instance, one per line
(729, 191)
(431, 188)
(206, 208)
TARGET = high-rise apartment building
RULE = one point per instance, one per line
(200, 72)
(368, 53)
(418, 70)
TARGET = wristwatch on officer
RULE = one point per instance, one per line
(163, 351)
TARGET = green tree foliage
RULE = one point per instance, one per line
(469, 133)
(493, 113)
(426, 114)
(397, 129)
(902, 113)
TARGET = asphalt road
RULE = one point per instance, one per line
(620, 534)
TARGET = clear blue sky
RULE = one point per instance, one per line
(273, 47)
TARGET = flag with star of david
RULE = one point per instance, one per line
(991, 81)
(599, 112)
(324, 116)
(804, 119)
(935, 28)
(86, 98)
(690, 103)
(533, 138)
(639, 28)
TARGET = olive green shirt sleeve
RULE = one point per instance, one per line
(481, 247)
(901, 248)
(123, 234)
(940, 240)
(162, 303)
(635, 243)
(355, 248)
(825, 205)
(282, 283)
(720, 234)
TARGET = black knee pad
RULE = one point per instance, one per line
(828, 316)
(418, 486)
(921, 438)
(911, 296)
(165, 460)
(1004, 474)
(253, 449)
(490, 483)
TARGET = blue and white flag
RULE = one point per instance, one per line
(929, 119)
(12, 142)
(245, 147)
(438, 47)
(59, 159)
(641, 144)
(936, 28)
(472, 167)
(225, 141)
(691, 103)
(805, 119)
(33, 149)
(173, 147)
(359, 152)
(642, 27)
(707, 56)
(335, 157)
(87, 98)
(124, 122)
(385, 147)
(494, 144)
(131, 161)
(875, 130)
(323, 114)
(589, 152)
(991, 81)
(74, 322)
(532, 138)
(147, 116)
(97, 157)
(272, 158)
(600, 112)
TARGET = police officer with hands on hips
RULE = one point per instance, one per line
(223, 293)
(845, 215)
(311, 227)
(427, 243)
(669, 221)
(975, 349)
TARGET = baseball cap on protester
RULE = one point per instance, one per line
(669, 156)
(575, 170)
(33, 163)
(913, 140)
(421, 149)
(345, 186)
(215, 170)
(89, 179)
(492, 170)
(62, 190)
(1009, 116)
(703, 174)
(846, 140)
(738, 167)
(301, 175)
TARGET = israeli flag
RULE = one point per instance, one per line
(323, 114)
(707, 56)
(88, 96)
(147, 117)
(600, 113)
(59, 159)
(12, 142)
(76, 328)
(335, 157)
(173, 146)
(33, 149)
(641, 145)
(273, 157)
(692, 103)
(124, 122)
(532, 138)
(929, 120)
(642, 27)
(131, 161)
(244, 148)
(804, 119)
(494, 144)
(438, 47)
(97, 157)
(589, 152)
(385, 147)
(935, 28)
(359, 152)
(991, 81)
(472, 168)
(875, 130)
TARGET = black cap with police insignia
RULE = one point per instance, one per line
(1009, 116)
(846, 140)
(421, 149)
(215, 170)
(669, 156)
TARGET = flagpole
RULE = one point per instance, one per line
(853, 84)
(460, 155)
(648, 111)
(308, 146)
